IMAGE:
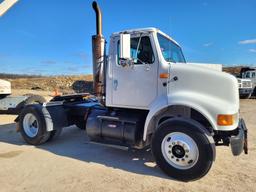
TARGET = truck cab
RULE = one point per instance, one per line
(159, 79)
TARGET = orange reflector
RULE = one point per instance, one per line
(56, 93)
(225, 120)
(164, 75)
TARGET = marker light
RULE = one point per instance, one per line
(226, 120)
(164, 75)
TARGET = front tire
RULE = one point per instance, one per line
(182, 149)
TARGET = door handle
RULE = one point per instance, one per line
(115, 84)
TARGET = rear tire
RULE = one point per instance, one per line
(32, 125)
(182, 150)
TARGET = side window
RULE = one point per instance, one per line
(253, 74)
(141, 50)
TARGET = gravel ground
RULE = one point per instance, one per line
(70, 163)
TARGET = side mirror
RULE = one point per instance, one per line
(125, 46)
(125, 50)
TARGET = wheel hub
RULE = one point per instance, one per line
(180, 150)
(30, 125)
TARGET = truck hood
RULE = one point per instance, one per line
(214, 92)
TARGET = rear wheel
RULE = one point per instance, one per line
(32, 125)
(182, 150)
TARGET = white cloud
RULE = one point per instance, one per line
(252, 50)
(248, 41)
(208, 44)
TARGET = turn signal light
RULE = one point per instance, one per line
(225, 120)
(164, 75)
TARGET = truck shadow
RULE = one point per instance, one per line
(74, 143)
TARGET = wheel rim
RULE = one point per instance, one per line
(30, 125)
(180, 150)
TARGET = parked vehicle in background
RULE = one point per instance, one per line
(250, 74)
(14, 104)
(245, 88)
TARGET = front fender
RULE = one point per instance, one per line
(208, 106)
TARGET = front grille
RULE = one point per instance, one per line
(246, 84)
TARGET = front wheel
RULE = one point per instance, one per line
(182, 150)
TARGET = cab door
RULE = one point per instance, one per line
(135, 86)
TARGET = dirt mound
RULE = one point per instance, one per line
(233, 70)
(81, 83)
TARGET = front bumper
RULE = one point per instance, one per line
(245, 91)
(239, 143)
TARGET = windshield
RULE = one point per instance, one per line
(247, 75)
(170, 51)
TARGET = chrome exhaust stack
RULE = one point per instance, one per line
(98, 54)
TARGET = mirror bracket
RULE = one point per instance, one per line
(126, 62)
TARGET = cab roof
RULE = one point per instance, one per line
(145, 30)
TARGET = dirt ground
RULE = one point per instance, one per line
(71, 163)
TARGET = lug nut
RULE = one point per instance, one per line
(187, 151)
(172, 156)
(186, 156)
(183, 159)
(169, 152)
(177, 160)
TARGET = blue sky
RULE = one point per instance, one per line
(51, 37)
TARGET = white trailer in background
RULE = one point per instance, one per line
(14, 104)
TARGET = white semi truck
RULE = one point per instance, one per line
(147, 96)
(245, 88)
(249, 74)
(14, 104)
